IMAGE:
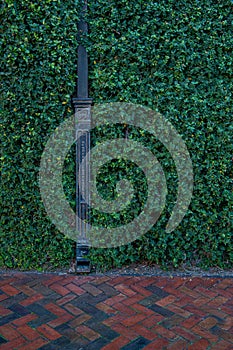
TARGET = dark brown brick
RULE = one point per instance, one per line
(79, 320)
(91, 289)
(87, 332)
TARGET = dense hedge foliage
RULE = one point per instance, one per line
(38, 48)
(175, 57)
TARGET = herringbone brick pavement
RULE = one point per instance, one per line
(48, 311)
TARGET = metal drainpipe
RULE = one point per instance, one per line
(82, 106)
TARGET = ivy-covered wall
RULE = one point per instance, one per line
(173, 56)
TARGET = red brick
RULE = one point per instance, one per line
(164, 332)
(133, 319)
(100, 280)
(193, 282)
(226, 335)
(28, 332)
(224, 283)
(184, 300)
(59, 289)
(222, 345)
(142, 279)
(79, 280)
(116, 344)
(60, 320)
(73, 309)
(191, 321)
(217, 302)
(79, 320)
(204, 333)
(206, 292)
(65, 299)
(209, 282)
(230, 302)
(36, 344)
(51, 280)
(167, 300)
(176, 292)
(208, 322)
(8, 332)
(184, 333)
(106, 308)
(10, 290)
(124, 331)
(229, 290)
(115, 299)
(3, 297)
(14, 344)
(145, 282)
(214, 312)
(124, 290)
(196, 311)
(228, 323)
(125, 310)
(31, 299)
(114, 319)
(26, 290)
(24, 319)
(152, 321)
(133, 300)
(142, 309)
(201, 344)
(178, 345)
(4, 311)
(190, 292)
(177, 310)
(225, 293)
(200, 301)
(75, 289)
(6, 281)
(48, 332)
(56, 310)
(158, 344)
(227, 310)
(158, 282)
(146, 333)
(141, 290)
(118, 280)
(87, 332)
(66, 280)
(131, 281)
(175, 282)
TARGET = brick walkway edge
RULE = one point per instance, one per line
(48, 311)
